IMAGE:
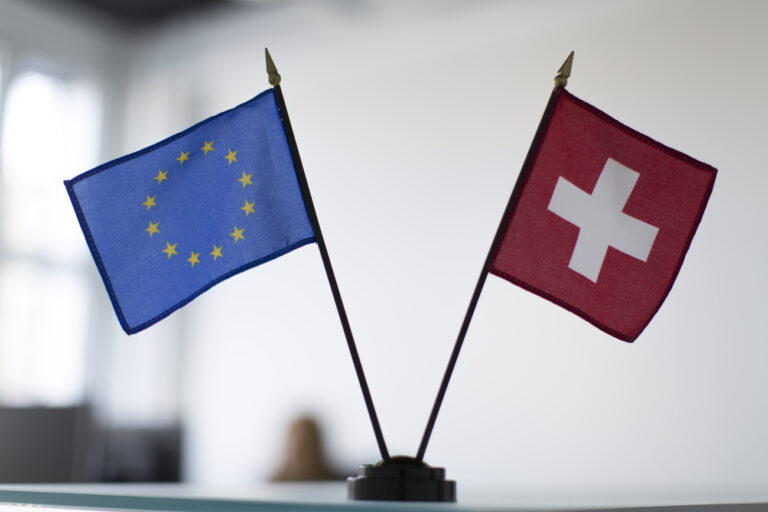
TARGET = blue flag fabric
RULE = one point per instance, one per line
(168, 222)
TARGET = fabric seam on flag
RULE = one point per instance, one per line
(219, 279)
(108, 284)
(525, 173)
(293, 151)
(565, 305)
(112, 296)
(94, 252)
(634, 133)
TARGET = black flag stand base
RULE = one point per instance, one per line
(401, 479)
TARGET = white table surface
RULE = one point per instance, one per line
(302, 497)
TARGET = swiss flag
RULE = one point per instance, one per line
(601, 218)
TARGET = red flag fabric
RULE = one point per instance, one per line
(601, 218)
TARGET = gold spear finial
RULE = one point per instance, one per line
(274, 76)
(561, 80)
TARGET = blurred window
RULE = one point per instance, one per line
(49, 131)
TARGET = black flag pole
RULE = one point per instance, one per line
(561, 80)
(274, 80)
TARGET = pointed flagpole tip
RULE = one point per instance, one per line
(274, 76)
(561, 80)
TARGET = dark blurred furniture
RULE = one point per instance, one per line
(142, 455)
(41, 444)
(65, 444)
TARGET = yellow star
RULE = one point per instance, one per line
(183, 157)
(161, 176)
(245, 179)
(248, 208)
(150, 202)
(237, 234)
(208, 146)
(231, 156)
(193, 259)
(170, 250)
(216, 252)
(152, 229)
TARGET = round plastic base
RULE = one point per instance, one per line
(401, 479)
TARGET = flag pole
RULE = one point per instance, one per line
(274, 80)
(561, 80)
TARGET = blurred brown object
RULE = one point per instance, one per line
(304, 456)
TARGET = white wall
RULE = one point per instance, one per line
(412, 120)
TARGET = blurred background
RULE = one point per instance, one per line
(412, 119)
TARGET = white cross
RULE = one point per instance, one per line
(600, 219)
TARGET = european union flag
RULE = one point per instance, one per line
(166, 223)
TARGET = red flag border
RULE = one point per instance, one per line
(563, 95)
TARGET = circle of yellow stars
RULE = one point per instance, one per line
(237, 234)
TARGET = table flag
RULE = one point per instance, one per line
(602, 218)
(168, 222)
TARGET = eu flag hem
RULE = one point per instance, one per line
(105, 277)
